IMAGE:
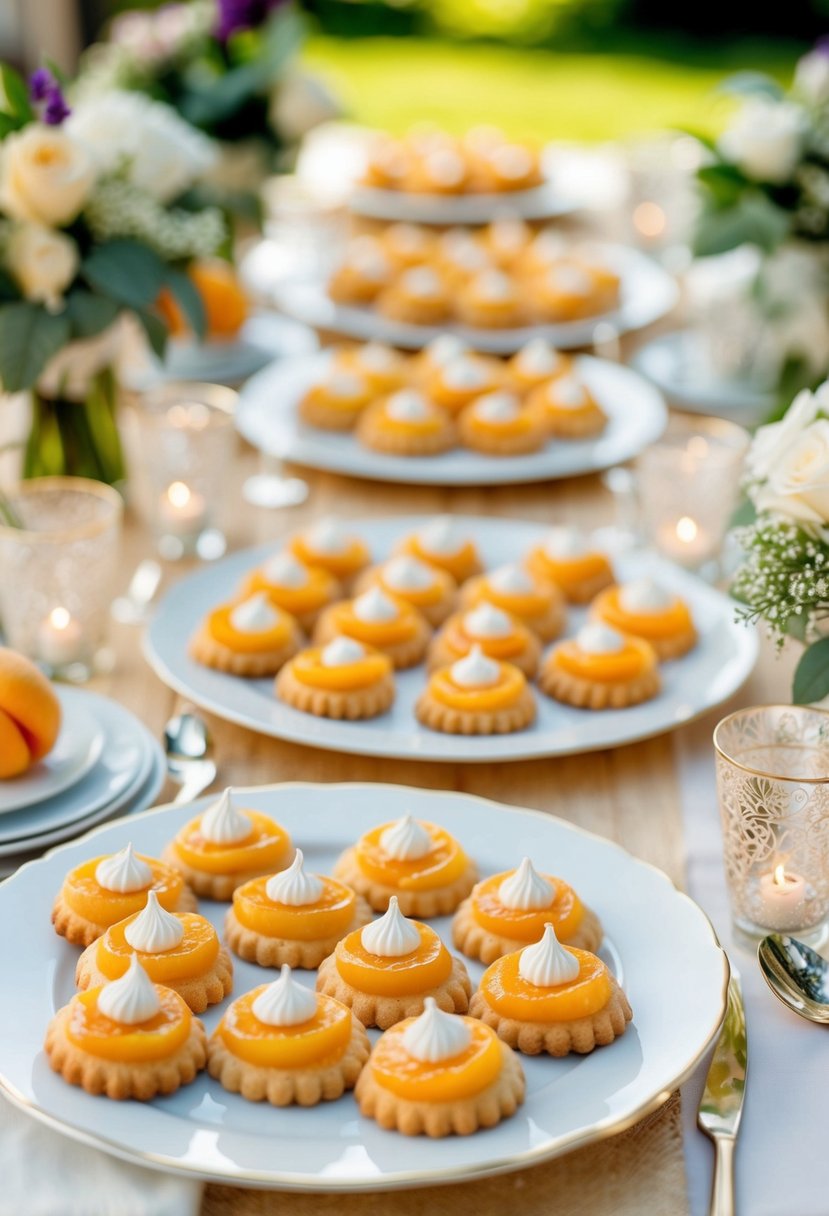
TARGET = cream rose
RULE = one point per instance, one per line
(45, 175)
(771, 442)
(798, 485)
(765, 139)
(43, 262)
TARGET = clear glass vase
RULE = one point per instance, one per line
(71, 437)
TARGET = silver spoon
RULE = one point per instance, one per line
(188, 749)
(797, 975)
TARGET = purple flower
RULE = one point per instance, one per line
(46, 92)
(236, 15)
(40, 82)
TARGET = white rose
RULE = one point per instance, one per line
(45, 175)
(299, 103)
(772, 442)
(765, 139)
(811, 78)
(43, 262)
(798, 486)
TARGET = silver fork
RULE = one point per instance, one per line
(188, 748)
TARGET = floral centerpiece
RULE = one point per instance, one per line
(765, 183)
(94, 225)
(227, 66)
(784, 579)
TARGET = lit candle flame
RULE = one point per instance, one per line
(686, 529)
(780, 879)
(649, 219)
(179, 494)
(59, 618)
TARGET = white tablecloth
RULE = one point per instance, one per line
(782, 1155)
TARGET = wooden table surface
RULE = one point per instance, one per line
(629, 794)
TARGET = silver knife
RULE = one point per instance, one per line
(722, 1102)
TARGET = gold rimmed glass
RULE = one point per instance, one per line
(181, 439)
(773, 787)
(56, 571)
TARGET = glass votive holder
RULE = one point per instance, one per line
(687, 488)
(773, 787)
(181, 440)
(56, 572)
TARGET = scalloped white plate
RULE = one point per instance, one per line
(268, 418)
(538, 203)
(76, 750)
(647, 293)
(659, 944)
(708, 675)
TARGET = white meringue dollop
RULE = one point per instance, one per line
(408, 405)
(464, 373)
(406, 573)
(366, 257)
(508, 234)
(525, 889)
(567, 393)
(511, 161)
(405, 840)
(392, 935)
(328, 537)
(547, 964)
(493, 285)
(374, 606)
(254, 615)
(344, 384)
(487, 621)
(407, 237)
(420, 282)
(444, 349)
(548, 246)
(498, 407)
(645, 595)
(224, 823)
(283, 570)
(598, 638)
(123, 872)
(571, 280)
(130, 999)
(378, 357)
(444, 166)
(513, 580)
(538, 358)
(340, 652)
(435, 1035)
(293, 886)
(475, 670)
(566, 542)
(154, 929)
(285, 1002)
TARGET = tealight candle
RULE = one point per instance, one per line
(685, 541)
(781, 899)
(60, 639)
(182, 511)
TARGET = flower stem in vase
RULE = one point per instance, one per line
(76, 438)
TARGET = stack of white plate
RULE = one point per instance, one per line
(104, 763)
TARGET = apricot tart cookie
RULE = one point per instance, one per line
(510, 910)
(440, 544)
(406, 424)
(418, 297)
(600, 668)
(178, 949)
(552, 998)
(564, 292)
(536, 363)
(127, 1039)
(490, 300)
(343, 679)
(224, 847)
(440, 352)
(476, 696)
(385, 971)
(292, 917)
(336, 402)
(407, 244)
(363, 273)
(505, 240)
(499, 635)
(457, 382)
(382, 367)
(537, 602)
(439, 1074)
(427, 588)
(329, 545)
(284, 1044)
(251, 638)
(459, 256)
(376, 619)
(301, 591)
(105, 890)
(647, 610)
(566, 557)
(417, 862)
(501, 424)
(568, 408)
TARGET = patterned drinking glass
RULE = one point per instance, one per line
(56, 571)
(773, 786)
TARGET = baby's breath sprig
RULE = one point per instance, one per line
(784, 579)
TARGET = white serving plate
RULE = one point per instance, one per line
(541, 202)
(77, 748)
(268, 418)
(708, 675)
(127, 757)
(647, 293)
(659, 944)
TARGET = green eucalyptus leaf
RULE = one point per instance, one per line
(16, 93)
(189, 301)
(811, 677)
(127, 271)
(90, 314)
(753, 220)
(743, 515)
(29, 337)
(155, 329)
